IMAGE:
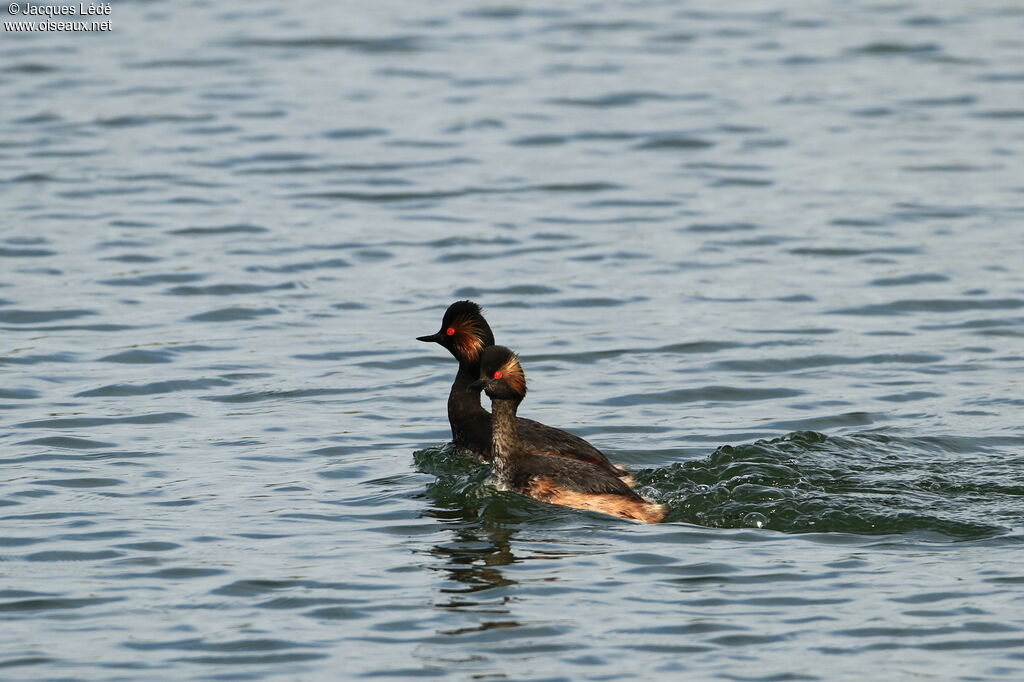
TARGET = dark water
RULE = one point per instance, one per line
(769, 255)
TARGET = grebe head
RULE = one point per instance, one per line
(501, 375)
(464, 331)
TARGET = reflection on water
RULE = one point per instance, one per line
(474, 557)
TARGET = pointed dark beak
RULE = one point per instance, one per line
(433, 338)
(478, 384)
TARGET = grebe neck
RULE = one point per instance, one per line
(504, 440)
(464, 402)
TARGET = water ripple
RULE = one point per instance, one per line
(80, 422)
(766, 257)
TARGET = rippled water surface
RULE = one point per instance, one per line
(768, 255)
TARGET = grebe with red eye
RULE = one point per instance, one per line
(558, 480)
(465, 333)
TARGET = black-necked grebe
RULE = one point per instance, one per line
(465, 333)
(558, 480)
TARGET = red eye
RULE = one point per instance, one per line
(498, 374)
(450, 331)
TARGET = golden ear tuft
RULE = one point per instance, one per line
(466, 336)
(514, 376)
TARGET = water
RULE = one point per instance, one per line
(768, 256)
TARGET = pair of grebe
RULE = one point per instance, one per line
(527, 457)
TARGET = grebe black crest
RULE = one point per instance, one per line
(464, 332)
